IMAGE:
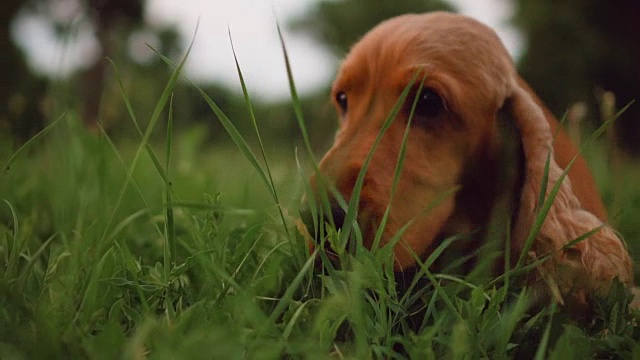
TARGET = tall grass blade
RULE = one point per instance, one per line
(247, 98)
(16, 247)
(327, 187)
(288, 294)
(542, 209)
(169, 221)
(231, 130)
(297, 108)
(125, 98)
(237, 138)
(27, 145)
(511, 319)
(155, 116)
(426, 264)
(541, 352)
(357, 187)
(398, 169)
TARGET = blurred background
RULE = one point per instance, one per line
(55, 57)
(67, 56)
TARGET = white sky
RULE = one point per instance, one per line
(255, 37)
(253, 29)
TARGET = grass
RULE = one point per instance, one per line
(179, 249)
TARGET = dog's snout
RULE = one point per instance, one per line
(334, 216)
(319, 223)
(338, 215)
(307, 219)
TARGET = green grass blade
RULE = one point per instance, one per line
(169, 231)
(27, 145)
(237, 138)
(288, 294)
(398, 235)
(289, 328)
(541, 352)
(33, 258)
(542, 209)
(231, 130)
(426, 264)
(325, 186)
(443, 295)
(134, 269)
(511, 319)
(125, 98)
(357, 188)
(157, 111)
(16, 247)
(398, 169)
(127, 103)
(247, 98)
(297, 108)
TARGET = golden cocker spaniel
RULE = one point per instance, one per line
(463, 96)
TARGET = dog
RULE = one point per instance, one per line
(472, 128)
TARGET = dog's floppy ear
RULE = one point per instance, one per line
(573, 272)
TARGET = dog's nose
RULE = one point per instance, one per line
(336, 217)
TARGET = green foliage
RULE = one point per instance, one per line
(339, 24)
(578, 49)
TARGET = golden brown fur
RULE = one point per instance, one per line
(460, 147)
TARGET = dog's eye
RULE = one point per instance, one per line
(429, 104)
(341, 99)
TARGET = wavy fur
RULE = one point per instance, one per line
(459, 143)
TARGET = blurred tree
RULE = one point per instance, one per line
(113, 24)
(339, 24)
(113, 20)
(143, 73)
(576, 49)
(20, 91)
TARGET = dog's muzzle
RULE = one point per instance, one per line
(318, 229)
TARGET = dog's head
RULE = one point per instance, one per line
(461, 82)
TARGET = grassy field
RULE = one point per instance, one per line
(179, 249)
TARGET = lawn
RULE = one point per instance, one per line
(171, 247)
